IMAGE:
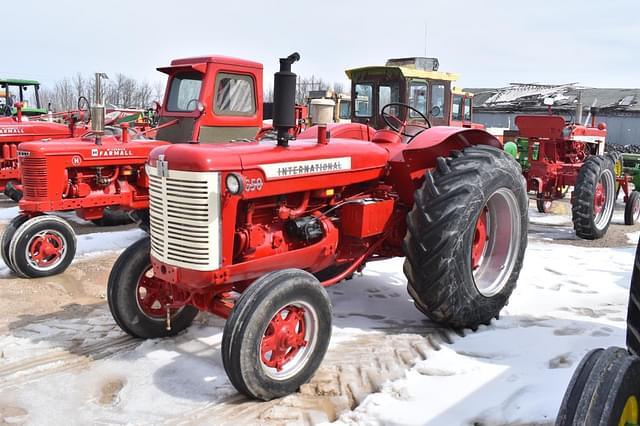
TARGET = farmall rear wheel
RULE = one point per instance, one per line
(593, 198)
(42, 246)
(138, 300)
(604, 390)
(277, 334)
(7, 236)
(466, 237)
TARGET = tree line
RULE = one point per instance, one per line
(121, 91)
(126, 92)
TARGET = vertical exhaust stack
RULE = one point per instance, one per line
(284, 99)
(98, 109)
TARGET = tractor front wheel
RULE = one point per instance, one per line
(7, 236)
(42, 246)
(593, 198)
(139, 302)
(604, 390)
(113, 217)
(544, 206)
(466, 237)
(277, 334)
(632, 209)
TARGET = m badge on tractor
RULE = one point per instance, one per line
(254, 231)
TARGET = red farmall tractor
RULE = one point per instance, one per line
(17, 129)
(208, 100)
(253, 232)
(561, 155)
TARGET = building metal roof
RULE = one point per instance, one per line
(530, 97)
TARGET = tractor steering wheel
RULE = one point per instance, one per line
(195, 100)
(84, 102)
(401, 124)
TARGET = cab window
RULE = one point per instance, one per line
(437, 100)
(418, 97)
(467, 109)
(388, 94)
(345, 109)
(184, 92)
(363, 100)
(234, 95)
(457, 104)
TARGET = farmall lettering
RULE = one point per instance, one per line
(11, 131)
(110, 152)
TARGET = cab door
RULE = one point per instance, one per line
(439, 103)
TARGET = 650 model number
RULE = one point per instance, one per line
(253, 184)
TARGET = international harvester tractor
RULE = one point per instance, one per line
(558, 155)
(254, 231)
(208, 100)
(413, 81)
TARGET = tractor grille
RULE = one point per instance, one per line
(184, 213)
(34, 177)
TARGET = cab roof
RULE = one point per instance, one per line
(197, 63)
(405, 72)
(17, 81)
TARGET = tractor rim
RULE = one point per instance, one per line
(153, 295)
(629, 414)
(46, 250)
(492, 268)
(603, 201)
(288, 340)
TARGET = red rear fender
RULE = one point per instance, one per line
(408, 166)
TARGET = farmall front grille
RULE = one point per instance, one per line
(34, 177)
(184, 212)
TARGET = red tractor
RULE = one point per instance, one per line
(208, 100)
(560, 155)
(254, 231)
(16, 129)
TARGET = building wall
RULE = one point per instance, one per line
(622, 129)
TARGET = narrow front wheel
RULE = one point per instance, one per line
(277, 334)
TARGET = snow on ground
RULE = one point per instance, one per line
(568, 300)
(515, 371)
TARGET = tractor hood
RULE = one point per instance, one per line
(302, 157)
(14, 131)
(87, 152)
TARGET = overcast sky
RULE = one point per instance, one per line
(490, 43)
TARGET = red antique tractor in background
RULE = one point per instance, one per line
(560, 155)
(254, 231)
(208, 100)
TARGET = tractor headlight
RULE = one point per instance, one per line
(234, 183)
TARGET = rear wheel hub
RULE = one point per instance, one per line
(599, 198)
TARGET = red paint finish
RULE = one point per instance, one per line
(480, 238)
(283, 338)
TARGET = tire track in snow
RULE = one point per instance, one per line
(351, 370)
(34, 368)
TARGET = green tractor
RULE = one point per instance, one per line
(13, 91)
(605, 388)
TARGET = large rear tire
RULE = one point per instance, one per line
(633, 309)
(137, 299)
(632, 208)
(466, 237)
(610, 393)
(277, 334)
(593, 198)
